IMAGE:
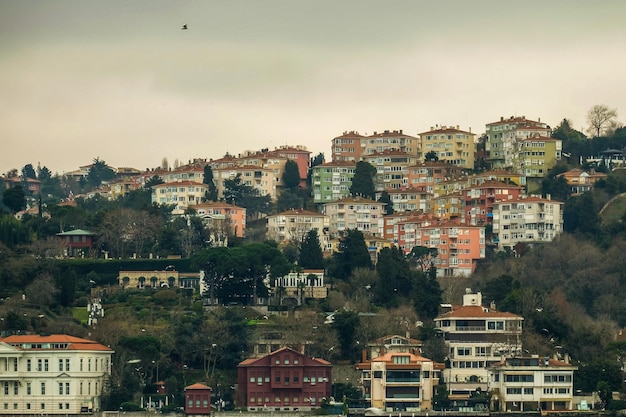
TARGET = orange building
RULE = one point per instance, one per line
(479, 200)
(223, 216)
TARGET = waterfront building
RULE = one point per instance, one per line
(52, 375)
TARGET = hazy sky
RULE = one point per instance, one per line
(121, 81)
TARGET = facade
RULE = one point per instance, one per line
(264, 180)
(449, 206)
(284, 380)
(300, 285)
(348, 147)
(76, 242)
(537, 155)
(429, 173)
(293, 226)
(504, 138)
(158, 279)
(581, 181)
(526, 219)
(391, 168)
(300, 155)
(223, 219)
(393, 344)
(331, 181)
(392, 140)
(480, 199)
(476, 337)
(451, 145)
(410, 199)
(181, 194)
(459, 246)
(52, 375)
(355, 213)
(531, 384)
(197, 400)
(400, 381)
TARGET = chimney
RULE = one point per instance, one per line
(501, 118)
(363, 355)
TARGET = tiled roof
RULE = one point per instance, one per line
(476, 311)
(197, 385)
(298, 212)
(74, 343)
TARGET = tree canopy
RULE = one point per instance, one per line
(363, 180)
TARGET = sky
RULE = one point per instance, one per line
(121, 81)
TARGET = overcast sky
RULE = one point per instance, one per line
(121, 81)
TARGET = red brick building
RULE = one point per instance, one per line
(197, 400)
(284, 380)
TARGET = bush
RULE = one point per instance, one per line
(130, 406)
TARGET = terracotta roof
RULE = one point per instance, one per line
(388, 133)
(528, 199)
(197, 385)
(446, 129)
(475, 311)
(351, 134)
(179, 183)
(298, 212)
(74, 343)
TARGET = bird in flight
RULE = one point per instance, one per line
(184, 27)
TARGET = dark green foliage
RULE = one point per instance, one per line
(289, 199)
(363, 180)
(14, 198)
(384, 198)
(395, 279)
(211, 194)
(311, 255)
(99, 172)
(590, 374)
(351, 253)
(431, 156)
(291, 175)
(29, 172)
(13, 232)
(242, 195)
(315, 161)
(427, 294)
(580, 214)
(345, 324)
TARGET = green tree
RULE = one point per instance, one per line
(315, 161)
(14, 198)
(99, 172)
(394, 278)
(288, 200)
(427, 294)
(431, 156)
(43, 173)
(29, 172)
(243, 195)
(363, 180)
(211, 194)
(386, 199)
(152, 181)
(581, 215)
(345, 325)
(351, 253)
(291, 175)
(311, 255)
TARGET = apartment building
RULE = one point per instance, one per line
(293, 225)
(459, 246)
(400, 381)
(479, 200)
(476, 337)
(449, 206)
(181, 194)
(355, 213)
(537, 155)
(392, 140)
(223, 219)
(284, 380)
(410, 199)
(262, 179)
(451, 145)
(531, 384)
(429, 173)
(526, 219)
(331, 181)
(350, 146)
(52, 375)
(391, 168)
(504, 138)
(299, 285)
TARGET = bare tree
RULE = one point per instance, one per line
(602, 120)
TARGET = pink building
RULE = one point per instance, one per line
(284, 380)
(479, 200)
(220, 215)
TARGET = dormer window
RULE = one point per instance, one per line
(401, 359)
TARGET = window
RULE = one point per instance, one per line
(43, 388)
(28, 365)
(28, 388)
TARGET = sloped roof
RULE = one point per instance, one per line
(73, 343)
(476, 312)
(76, 232)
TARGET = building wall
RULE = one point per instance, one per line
(451, 145)
(331, 181)
(354, 213)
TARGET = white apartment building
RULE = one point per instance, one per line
(293, 226)
(476, 337)
(357, 213)
(505, 136)
(181, 194)
(531, 384)
(526, 219)
(52, 375)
